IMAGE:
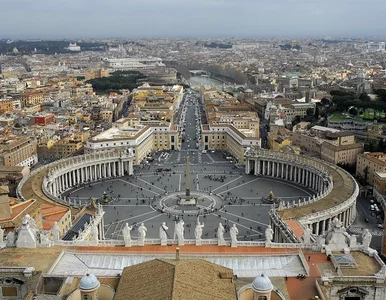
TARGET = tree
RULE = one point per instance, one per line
(325, 101)
(353, 111)
(364, 97)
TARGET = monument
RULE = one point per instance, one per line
(179, 232)
(187, 200)
(366, 239)
(2, 242)
(126, 234)
(27, 234)
(163, 235)
(142, 234)
(198, 232)
(234, 232)
(268, 234)
(55, 232)
(220, 235)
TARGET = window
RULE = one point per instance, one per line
(262, 298)
(87, 297)
(9, 291)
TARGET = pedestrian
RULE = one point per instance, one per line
(309, 258)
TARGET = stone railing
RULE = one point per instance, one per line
(277, 220)
(333, 211)
(134, 243)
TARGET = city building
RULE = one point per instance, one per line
(344, 149)
(232, 126)
(73, 47)
(329, 144)
(6, 105)
(44, 119)
(368, 164)
(144, 140)
(65, 147)
(18, 151)
(31, 98)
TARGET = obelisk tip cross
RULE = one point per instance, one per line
(187, 183)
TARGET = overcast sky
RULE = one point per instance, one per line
(191, 18)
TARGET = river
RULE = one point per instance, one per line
(196, 81)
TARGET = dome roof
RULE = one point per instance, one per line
(262, 284)
(249, 91)
(89, 283)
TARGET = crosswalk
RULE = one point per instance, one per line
(359, 230)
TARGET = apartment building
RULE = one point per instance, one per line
(18, 151)
(329, 144)
(341, 153)
(229, 138)
(32, 99)
(143, 139)
(6, 105)
(66, 147)
(370, 163)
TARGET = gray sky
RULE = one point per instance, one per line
(191, 18)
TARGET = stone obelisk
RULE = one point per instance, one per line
(187, 183)
(187, 199)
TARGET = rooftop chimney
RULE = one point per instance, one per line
(177, 254)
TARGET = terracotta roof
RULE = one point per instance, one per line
(186, 279)
(52, 213)
(18, 211)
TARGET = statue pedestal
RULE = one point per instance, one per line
(233, 244)
(181, 243)
(3, 245)
(268, 244)
(198, 242)
(221, 242)
(187, 202)
(26, 238)
(141, 243)
(164, 242)
(128, 244)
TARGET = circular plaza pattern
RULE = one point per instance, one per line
(309, 191)
(224, 194)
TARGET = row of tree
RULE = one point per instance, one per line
(117, 81)
(343, 101)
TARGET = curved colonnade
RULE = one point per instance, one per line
(57, 177)
(335, 190)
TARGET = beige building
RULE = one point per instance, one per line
(107, 115)
(368, 164)
(32, 99)
(18, 151)
(228, 138)
(66, 147)
(345, 152)
(231, 127)
(380, 182)
(142, 139)
(329, 144)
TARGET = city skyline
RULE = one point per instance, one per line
(211, 18)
